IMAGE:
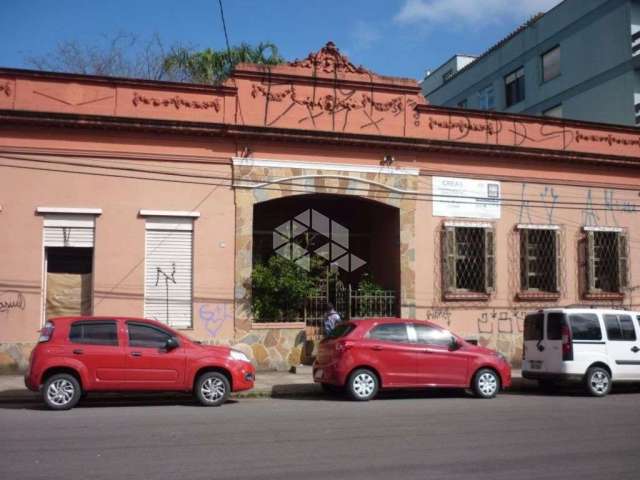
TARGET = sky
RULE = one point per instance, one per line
(401, 38)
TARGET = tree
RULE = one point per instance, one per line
(120, 55)
(214, 66)
(279, 289)
(126, 55)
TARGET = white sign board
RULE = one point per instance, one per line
(466, 198)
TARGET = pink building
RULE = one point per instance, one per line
(143, 198)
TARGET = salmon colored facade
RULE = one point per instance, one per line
(123, 157)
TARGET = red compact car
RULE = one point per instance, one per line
(76, 355)
(366, 355)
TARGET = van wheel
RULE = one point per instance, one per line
(486, 383)
(363, 385)
(61, 391)
(212, 389)
(598, 381)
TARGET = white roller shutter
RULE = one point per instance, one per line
(69, 231)
(168, 271)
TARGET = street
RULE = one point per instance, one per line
(417, 435)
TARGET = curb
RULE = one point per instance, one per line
(277, 391)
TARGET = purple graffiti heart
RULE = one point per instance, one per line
(213, 318)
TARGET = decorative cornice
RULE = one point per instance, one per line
(161, 85)
(329, 60)
(6, 88)
(330, 103)
(176, 101)
(62, 120)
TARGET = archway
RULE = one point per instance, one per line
(258, 181)
(348, 246)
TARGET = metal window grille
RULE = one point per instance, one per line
(607, 261)
(539, 260)
(468, 259)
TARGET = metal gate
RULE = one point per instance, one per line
(349, 303)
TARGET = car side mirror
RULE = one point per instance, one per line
(454, 344)
(171, 343)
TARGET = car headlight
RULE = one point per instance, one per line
(238, 355)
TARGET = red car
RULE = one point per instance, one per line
(76, 355)
(366, 355)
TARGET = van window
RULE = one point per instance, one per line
(555, 320)
(585, 326)
(626, 324)
(533, 326)
(619, 327)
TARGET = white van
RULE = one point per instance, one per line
(596, 346)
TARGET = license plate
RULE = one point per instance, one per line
(318, 374)
(535, 364)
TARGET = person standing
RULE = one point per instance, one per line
(332, 319)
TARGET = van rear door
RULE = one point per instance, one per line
(534, 354)
(553, 341)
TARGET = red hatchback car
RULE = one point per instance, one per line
(366, 355)
(76, 355)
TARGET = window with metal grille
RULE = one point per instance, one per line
(607, 261)
(514, 87)
(468, 259)
(539, 260)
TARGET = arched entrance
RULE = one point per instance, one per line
(347, 246)
(332, 186)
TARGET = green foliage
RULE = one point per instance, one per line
(372, 299)
(279, 290)
(214, 66)
(368, 287)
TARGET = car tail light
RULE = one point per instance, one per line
(343, 346)
(46, 332)
(567, 344)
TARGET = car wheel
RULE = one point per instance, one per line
(363, 385)
(331, 389)
(598, 381)
(212, 389)
(61, 391)
(486, 383)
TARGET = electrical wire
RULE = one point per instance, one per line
(627, 207)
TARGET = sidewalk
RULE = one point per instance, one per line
(268, 384)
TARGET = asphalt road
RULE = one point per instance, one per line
(422, 436)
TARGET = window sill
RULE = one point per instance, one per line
(462, 296)
(605, 296)
(274, 325)
(543, 296)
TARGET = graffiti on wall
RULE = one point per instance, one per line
(549, 199)
(214, 316)
(501, 321)
(11, 300)
(600, 208)
(518, 132)
(439, 315)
